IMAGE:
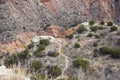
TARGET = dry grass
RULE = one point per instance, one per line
(18, 73)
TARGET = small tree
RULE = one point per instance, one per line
(31, 45)
(95, 44)
(113, 28)
(76, 45)
(54, 71)
(79, 62)
(69, 36)
(81, 29)
(36, 66)
(37, 77)
(110, 24)
(92, 22)
(53, 53)
(90, 35)
(1, 31)
(44, 42)
(94, 28)
(102, 23)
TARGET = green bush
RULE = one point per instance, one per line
(110, 24)
(37, 77)
(53, 54)
(15, 58)
(102, 23)
(92, 22)
(95, 44)
(36, 66)
(54, 71)
(8, 63)
(96, 50)
(41, 48)
(76, 45)
(31, 45)
(90, 35)
(1, 31)
(84, 64)
(94, 28)
(113, 28)
(44, 42)
(39, 54)
(105, 50)
(100, 28)
(96, 36)
(95, 55)
(115, 53)
(81, 29)
(69, 36)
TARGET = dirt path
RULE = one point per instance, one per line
(60, 42)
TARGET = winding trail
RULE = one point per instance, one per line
(59, 42)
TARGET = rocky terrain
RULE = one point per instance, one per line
(101, 67)
(85, 45)
(17, 16)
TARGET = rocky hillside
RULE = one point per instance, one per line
(17, 16)
(88, 52)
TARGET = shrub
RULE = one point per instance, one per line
(81, 29)
(102, 23)
(41, 48)
(115, 53)
(95, 44)
(94, 28)
(54, 71)
(110, 24)
(102, 34)
(40, 54)
(95, 55)
(96, 50)
(53, 53)
(113, 28)
(90, 35)
(96, 36)
(44, 42)
(37, 77)
(1, 31)
(36, 66)
(105, 50)
(92, 22)
(100, 28)
(69, 36)
(31, 45)
(76, 45)
(7, 63)
(84, 64)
